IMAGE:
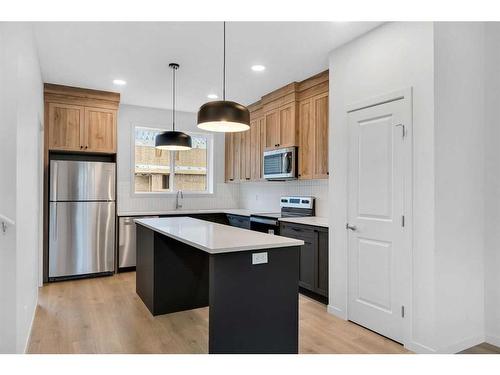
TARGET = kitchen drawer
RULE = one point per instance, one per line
(239, 221)
(300, 232)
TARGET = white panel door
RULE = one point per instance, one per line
(378, 246)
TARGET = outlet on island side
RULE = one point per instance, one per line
(259, 258)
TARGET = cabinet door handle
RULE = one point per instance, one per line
(81, 147)
(86, 147)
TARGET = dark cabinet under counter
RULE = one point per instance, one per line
(238, 221)
(313, 256)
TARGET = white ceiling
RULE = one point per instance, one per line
(92, 54)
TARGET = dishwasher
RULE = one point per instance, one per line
(126, 242)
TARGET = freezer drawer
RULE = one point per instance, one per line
(126, 241)
(81, 238)
(82, 181)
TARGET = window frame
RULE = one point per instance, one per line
(172, 192)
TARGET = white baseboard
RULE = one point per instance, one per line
(337, 312)
(493, 340)
(28, 339)
(418, 348)
(462, 345)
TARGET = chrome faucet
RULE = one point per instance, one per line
(177, 204)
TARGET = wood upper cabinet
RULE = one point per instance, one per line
(65, 127)
(229, 157)
(288, 125)
(320, 108)
(272, 129)
(245, 160)
(294, 115)
(80, 119)
(236, 140)
(281, 126)
(313, 134)
(256, 148)
(100, 130)
(307, 140)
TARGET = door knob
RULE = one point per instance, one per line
(351, 227)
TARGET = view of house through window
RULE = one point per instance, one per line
(153, 168)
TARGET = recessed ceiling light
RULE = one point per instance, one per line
(119, 82)
(258, 68)
(212, 96)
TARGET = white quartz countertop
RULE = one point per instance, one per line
(317, 221)
(233, 211)
(215, 238)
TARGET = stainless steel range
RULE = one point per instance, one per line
(290, 207)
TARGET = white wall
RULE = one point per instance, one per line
(392, 57)
(492, 182)
(225, 195)
(265, 196)
(22, 113)
(7, 188)
(459, 184)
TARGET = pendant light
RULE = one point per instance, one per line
(223, 115)
(173, 140)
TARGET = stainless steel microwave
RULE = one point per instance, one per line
(280, 164)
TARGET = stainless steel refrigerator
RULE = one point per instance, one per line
(81, 218)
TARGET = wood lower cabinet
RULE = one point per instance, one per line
(313, 145)
(65, 126)
(100, 130)
(313, 256)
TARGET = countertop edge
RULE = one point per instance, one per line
(307, 220)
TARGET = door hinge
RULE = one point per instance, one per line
(403, 127)
(403, 221)
(402, 311)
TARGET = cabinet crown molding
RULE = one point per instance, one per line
(88, 97)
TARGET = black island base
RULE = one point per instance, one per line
(252, 295)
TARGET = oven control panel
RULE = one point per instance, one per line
(297, 202)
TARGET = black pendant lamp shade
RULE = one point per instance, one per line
(173, 140)
(224, 115)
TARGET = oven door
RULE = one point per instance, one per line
(280, 164)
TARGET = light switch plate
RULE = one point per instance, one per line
(259, 258)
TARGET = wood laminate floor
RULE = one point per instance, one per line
(105, 315)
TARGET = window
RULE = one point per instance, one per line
(157, 171)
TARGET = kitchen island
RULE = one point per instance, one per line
(248, 279)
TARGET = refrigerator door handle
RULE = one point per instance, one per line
(53, 216)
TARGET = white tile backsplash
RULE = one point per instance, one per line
(225, 196)
(266, 195)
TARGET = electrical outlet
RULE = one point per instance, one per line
(259, 258)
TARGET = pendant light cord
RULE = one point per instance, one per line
(224, 67)
(173, 101)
